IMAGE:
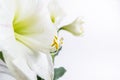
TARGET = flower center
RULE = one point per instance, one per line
(24, 29)
(23, 26)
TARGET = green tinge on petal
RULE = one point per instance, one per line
(75, 27)
(53, 19)
(27, 42)
(23, 26)
(21, 39)
(56, 11)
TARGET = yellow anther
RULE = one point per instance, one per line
(55, 43)
(56, 37)
(57, 46)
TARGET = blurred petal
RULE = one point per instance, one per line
(23, 71)
(14, 55)
(42, 65)
(6, 17)
(6, 32)
(6, 11)
(4, 72)
(56, 12)
(17, 55)
(25, 8)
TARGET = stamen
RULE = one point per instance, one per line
(56, 37)
(55, 43)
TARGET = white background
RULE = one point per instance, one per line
(96, 54)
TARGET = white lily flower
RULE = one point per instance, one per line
(26, 35)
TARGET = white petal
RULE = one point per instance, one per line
(22, 69)
(25, 8)
(42, 65)
(73, 25)
(17, 55)
(6, 17)
(6, 11)
(6, 32)
(4, 72)
(56, 12)
(14, 56)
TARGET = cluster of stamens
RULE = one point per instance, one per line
(57, 42)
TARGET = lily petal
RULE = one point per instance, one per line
(14, 55)
(23, 71)
(25, 8)
(6, 17)
(56, 12)
(6, 12)
(24, 64)
(4, 72)
(42, 65)
(6, 32)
